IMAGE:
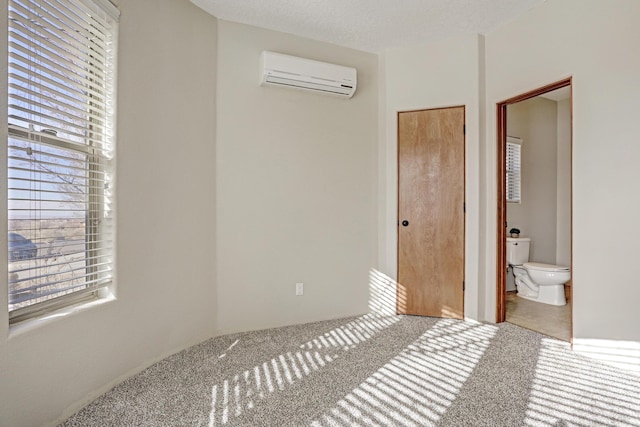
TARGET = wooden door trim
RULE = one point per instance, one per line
(464, 190)
(416, 110)
(501, 246)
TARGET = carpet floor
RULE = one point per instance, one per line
(374, 370)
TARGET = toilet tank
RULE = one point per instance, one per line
(518, 250)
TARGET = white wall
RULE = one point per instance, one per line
(535, 121)
(296, 186)
(591, 41)
(433, 75)
(563, 191)
(166, 297)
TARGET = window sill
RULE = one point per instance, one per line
(35, 323)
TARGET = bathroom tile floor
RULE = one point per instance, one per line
(544, 318)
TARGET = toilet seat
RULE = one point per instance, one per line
(544, 267)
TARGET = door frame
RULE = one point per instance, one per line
(501, 217)
(464, 194)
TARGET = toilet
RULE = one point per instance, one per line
(536, 281)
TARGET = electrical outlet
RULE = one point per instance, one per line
(299, 289)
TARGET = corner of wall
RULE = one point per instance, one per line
(487, 184)
(482, 196)
(382, 165)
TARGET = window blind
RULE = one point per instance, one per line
(513, 186)
(61, 103)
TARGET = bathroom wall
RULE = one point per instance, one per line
(518, 126)
(535, 121)
(563, 189)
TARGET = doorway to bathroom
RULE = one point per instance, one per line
(534, 210)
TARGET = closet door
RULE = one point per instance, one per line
(431, 212)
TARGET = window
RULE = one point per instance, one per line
(514, 146)
(61, 64)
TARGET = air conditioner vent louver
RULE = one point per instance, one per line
(306, 74)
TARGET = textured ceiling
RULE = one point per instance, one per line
(371, 25)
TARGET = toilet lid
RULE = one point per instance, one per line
(545, 267)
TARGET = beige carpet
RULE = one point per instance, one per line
(374, 371)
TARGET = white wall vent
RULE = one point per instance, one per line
(306, 74)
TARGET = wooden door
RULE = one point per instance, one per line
(431, 212)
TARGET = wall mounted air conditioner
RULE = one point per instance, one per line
(300, 73)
